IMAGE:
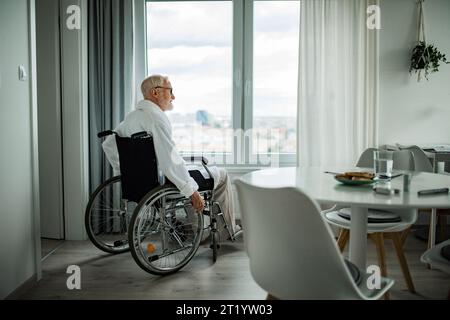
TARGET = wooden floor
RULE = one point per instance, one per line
(105, 276)
(49, 245)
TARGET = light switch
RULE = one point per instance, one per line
(23, 76)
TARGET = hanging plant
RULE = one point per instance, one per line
(425, 57)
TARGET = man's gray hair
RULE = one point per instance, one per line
(153, 81)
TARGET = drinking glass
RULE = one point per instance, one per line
(383, 161)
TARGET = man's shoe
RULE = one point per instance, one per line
(237, 231)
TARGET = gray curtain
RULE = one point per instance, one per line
(110, 52)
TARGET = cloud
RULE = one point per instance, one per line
(192, 44)
(189, 23)
(279, 17)
(197, 59)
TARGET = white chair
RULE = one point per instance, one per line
(403, 159)
(377, 232)
(291, 249)
(420, 154)
(434, 258)
(389, 147)
(423, 163)
(366, 158)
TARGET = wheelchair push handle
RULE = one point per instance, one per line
(142, 134)
(196, 158)
(105, 133)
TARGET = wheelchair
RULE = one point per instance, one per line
(142, 212)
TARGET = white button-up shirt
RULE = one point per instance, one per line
(150, 118)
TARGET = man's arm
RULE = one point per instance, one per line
(110, 148)
(170, 162)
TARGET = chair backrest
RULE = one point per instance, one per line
(421, 161)
(366, 158)
(292, 251)
(389, 147)
(403, 159)
(138, 165)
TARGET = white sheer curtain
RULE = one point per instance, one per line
(338, 82)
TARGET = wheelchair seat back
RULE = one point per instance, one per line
(138, 165)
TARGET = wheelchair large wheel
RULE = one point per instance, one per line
(165, 231)
(107, 217)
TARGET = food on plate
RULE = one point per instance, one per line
(362, 176)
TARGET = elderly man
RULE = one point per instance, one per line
(149, 116)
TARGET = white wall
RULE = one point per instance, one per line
(17, 236)
(412, 112)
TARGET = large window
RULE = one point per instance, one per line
(192, 43)
(233, 66)
(275, 75)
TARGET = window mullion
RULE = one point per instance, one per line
(238, 77)
(247, 111)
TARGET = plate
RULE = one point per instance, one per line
(353, 182)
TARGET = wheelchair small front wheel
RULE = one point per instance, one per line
(165, 232)
(107, 217)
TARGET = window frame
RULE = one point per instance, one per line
(242, 89)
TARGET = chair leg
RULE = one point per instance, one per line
(343, 239)
(403, 264)
(379, 243)
(442, 223)
(404, 236)
(372, 237)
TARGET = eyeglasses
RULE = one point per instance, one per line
(171, 89)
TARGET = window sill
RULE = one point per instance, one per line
(248, 169)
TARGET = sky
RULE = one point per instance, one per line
(191, 42)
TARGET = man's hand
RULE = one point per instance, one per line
(197, 202)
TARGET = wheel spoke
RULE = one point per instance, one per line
(106, 218)
(165, 236)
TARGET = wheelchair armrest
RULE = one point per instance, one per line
(195, 159)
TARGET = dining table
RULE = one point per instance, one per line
(325, 189)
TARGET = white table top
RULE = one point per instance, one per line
(325, 189)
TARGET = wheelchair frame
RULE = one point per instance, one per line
(126, 225)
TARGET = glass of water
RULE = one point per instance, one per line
(383, 161)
